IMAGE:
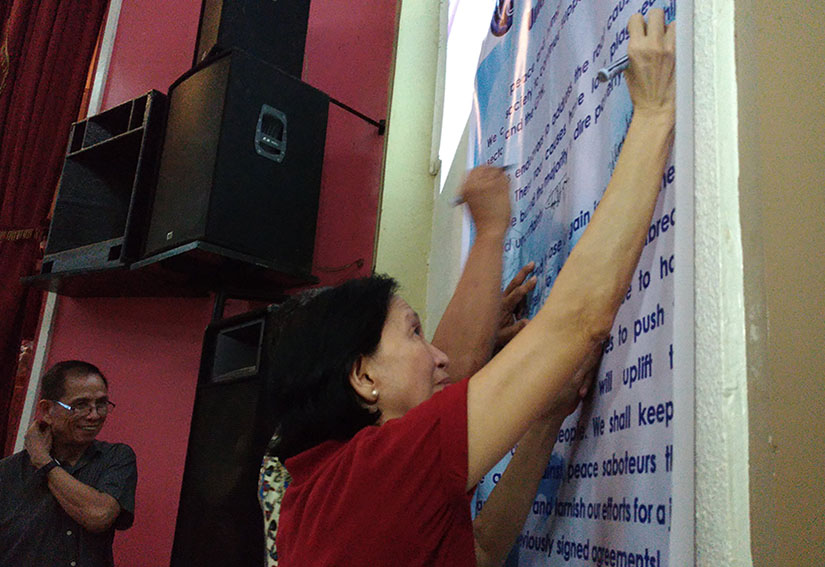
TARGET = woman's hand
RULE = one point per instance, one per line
(467, 330)
(576, 389)
(512, 305)
(652, 53)
(486, 191)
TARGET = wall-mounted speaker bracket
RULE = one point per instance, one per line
(380, 124)
(222, 295)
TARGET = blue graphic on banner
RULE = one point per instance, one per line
(540, 109)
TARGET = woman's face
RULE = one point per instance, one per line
(405, 369)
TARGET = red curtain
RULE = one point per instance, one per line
(46, 47)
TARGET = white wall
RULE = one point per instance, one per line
(405, 223)
(721, 473)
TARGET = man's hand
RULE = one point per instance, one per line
(38, 443)
(486, 192)
(512, 305)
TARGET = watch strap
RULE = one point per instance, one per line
(44, 470)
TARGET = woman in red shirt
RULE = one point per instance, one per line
(383, 448)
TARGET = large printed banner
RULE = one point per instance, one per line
(539, 108)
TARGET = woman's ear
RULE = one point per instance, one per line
(361, 382)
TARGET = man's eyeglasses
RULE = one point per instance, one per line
(82, 409)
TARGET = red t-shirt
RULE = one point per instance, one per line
(392, 495)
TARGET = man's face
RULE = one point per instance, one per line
(73, 428)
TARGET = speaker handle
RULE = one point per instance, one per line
(270, 135)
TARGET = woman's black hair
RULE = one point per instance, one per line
(314, 341)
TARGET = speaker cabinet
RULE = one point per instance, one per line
(274, 31)
(101, 212)
(241, 163)
(219, 519)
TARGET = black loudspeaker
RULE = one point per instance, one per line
(219, 519)
(273, 30)
(105, 191)
(241, 163)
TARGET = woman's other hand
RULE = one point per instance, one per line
(512, 305)
(577, 389)
(486, 191)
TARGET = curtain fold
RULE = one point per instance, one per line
(45, 51)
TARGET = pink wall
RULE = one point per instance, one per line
(154, 45)
(150, 348)
(349, 56)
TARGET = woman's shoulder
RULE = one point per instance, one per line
(439, 423)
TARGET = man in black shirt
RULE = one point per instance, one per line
(64, 495)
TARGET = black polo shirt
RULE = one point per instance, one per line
(34, 528)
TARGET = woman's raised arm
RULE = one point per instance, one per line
(467, 330)
(533, 375)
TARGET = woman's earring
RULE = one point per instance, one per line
(374, 394)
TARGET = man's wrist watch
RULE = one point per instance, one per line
(44, 470)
